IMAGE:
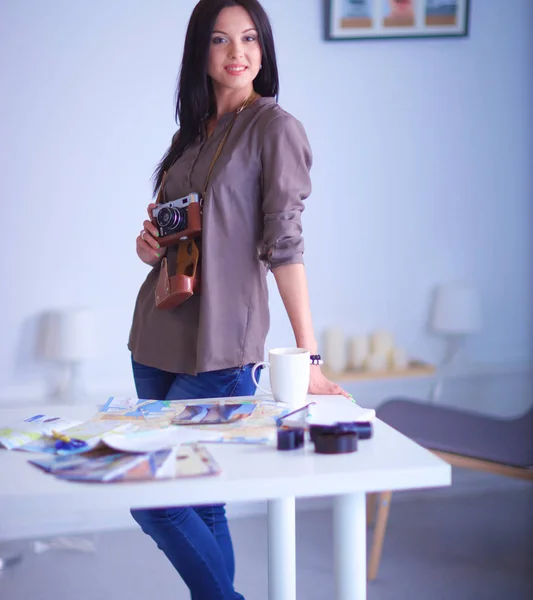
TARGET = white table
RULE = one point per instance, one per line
(389, 461)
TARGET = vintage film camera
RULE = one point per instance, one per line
(179, 219)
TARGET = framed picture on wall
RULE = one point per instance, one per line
(379, 19)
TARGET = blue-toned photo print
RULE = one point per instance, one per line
(356, 13)
(441, 12)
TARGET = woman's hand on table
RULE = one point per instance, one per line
(321, 385)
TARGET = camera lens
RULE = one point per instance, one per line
(169, 218)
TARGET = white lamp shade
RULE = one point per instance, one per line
(456, 309)
(68, 335)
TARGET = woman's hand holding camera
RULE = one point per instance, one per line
(148, 247)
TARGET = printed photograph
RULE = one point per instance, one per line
(356, 14)
(398, 13)
(209, 414)
(441, 12)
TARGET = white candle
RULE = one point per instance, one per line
(399, 359)
(381, 342)
(334, 354)
(358, 349)
(377, 362)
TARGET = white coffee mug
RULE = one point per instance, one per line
(289, 375)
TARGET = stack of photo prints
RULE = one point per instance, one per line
(138, 440)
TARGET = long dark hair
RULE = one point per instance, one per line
(195, 98)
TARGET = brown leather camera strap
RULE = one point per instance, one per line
(246, 103)
(176, 251)
(159, 199)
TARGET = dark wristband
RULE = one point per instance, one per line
(316, 359)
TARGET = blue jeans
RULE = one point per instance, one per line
(195, 539)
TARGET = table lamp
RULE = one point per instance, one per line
(68, 339)
(456, 313)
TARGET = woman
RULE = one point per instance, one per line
(207, 346)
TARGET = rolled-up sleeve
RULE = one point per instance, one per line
(286, 161)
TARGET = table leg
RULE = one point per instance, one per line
(281, 549)
(349, 540)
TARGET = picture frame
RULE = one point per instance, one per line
(390, 19)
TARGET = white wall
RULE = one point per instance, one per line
(422, 149)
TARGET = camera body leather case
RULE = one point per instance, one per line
(179, 277)
(187, 212)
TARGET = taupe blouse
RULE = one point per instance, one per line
(251, 222)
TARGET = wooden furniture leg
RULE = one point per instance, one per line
(456, 460)
(478, 464)
(379, 534)
(371, 500)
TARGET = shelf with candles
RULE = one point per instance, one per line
(415, 368)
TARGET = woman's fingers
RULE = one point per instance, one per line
(148, 254)
(333, 388)
(336, 389)
(150, 209)
(148, 247)
(321, 385)
(343, 392)
(150, 229)
(145, 242)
